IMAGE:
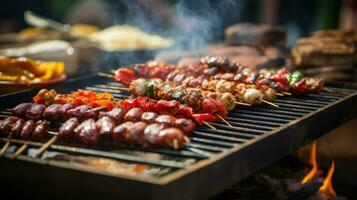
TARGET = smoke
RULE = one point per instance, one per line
(190, 24)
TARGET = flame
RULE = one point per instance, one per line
(327, 188)
(312, 160)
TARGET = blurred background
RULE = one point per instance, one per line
(299, 17)
(258, 33)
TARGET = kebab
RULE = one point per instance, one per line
(15, 127)
(90, 131)
(264, 94)
(222, 68)
(280, 80)
(253, 96)
(161, 107)
(138, 127)
(222, 93)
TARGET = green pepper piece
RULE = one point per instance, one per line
(177, 95)
(150, 88)
(296, 77)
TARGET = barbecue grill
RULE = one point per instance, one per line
(214, 160)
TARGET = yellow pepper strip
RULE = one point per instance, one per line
(49, 66)
(8, 78)
(59, 69)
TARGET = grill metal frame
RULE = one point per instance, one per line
(239, 152)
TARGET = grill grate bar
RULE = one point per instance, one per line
(177, 153)
(280, 111)
(236, 129)
(219, 137)
(91, 152)
(247, 125)
(319, 101)
(255, 122)
(228, 133)
(310, 104)
(327, 96)
(103, 90)
(265, 114)
(255, 117)
(213, 142)
(296, 110)
(205, 147)
(288, 105)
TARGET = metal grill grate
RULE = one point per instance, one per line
(251, 128)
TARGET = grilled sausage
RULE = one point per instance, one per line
(52, 112)
(134, 133)
(93, 113)
(152, 135)
(166, 120)
(78, 111)
(20, 110)
(63, 110)
(40, 130)
(27, 129)
(186, 125)
(87, 132)
(149, 117)
(172, 137)
(133, 115)
(116, 113)
(118, 132)
(105, 126)
(67, 129)
(8, 123)
(16, 129)
(35, 111)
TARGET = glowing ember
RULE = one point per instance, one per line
(327, 188)
(312, 160)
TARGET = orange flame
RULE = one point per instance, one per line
(327, 188)
(312, 160)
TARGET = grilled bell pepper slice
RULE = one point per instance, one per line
(209, 105)
(185, 111)
(109, 105)
(296, 76)
(167, 107)
(205, 117)
(125, 76)
(300, 87)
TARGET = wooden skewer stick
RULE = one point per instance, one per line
(175, 144)
(105, 75)
(3, 149)
(123, 88)
(224, 120)
(243, 104)
(286, 93)
(187, 140)
(270, 103)
(112, 87)
(46, 145)
(113, 71)
(327, 90)
(279, 94)
(19, 151)
(209, 125)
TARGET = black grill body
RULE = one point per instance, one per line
(214, 160)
